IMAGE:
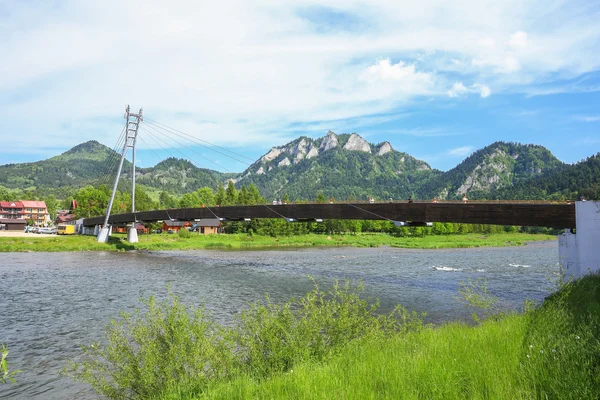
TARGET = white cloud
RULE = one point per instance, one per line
(588, 118)
(254, 70)
(484, 91)
(458, 90)
(461, 151)
(518, 40)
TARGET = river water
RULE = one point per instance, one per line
(54, 302)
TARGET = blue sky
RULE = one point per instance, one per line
(436, 79)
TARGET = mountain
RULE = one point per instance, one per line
(496, 166)
(342, 166)
(179, 176)
(92, 163)
(83, 164)
(571, 182)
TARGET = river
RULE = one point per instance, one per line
(54, 302)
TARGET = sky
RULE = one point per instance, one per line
(437, 79)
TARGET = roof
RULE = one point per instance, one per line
(11, 204)
(65, 218)
(208, 222)
(176, 223)
(33, 204)
(13, 221)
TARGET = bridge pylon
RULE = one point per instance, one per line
(132, 124)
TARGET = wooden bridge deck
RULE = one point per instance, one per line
(494, 213)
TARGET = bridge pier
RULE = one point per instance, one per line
(579, 252)
(104, 234)
(132, 235)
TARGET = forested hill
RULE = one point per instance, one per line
(342, 166)
(178, 176)
(496, 166)
(84, 164)
(581, 179)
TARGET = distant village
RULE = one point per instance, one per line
(33, 216)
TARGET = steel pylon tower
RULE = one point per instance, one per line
(132, 124)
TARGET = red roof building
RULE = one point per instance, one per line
(35, 211)
(11, 210)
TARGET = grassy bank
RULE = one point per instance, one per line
(241, 241)
(333, 346)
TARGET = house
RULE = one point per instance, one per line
(12, 224)
(11, 210)
(65, 218)
(175, 226)
(36, 211)
(123, 228)
(207, 226)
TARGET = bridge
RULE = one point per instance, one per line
(578, 253)
(519, 214)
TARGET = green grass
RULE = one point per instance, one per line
(333, 345)
(552, 352)
(118, 242)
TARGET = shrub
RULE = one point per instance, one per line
(146, 353)
(5, 373)
(170, 346)
(272, 338)
(184, 233)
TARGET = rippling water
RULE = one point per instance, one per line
(54, 302)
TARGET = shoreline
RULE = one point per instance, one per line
(27, 242)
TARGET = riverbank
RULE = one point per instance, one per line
(117, 242)
(332, 346)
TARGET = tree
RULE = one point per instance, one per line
(166, 200)
(91, 201)
(321, 198)
(254, 195)
(220, 196)
(206, 196)
(4, 195)
(230, 194)
(51, 205)
(190, 200)
(143, 202)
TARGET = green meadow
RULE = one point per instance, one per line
(193, 241)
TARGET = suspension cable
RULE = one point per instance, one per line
(151, 121)
(194, 151)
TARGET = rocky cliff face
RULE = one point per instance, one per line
(343, 165)
(499, 165)
(357, 143)
(306, 148)
(386, 147)
(330, 141)
(489, 173)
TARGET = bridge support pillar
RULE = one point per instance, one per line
(132, 236)
(579, 252)
(104, 234)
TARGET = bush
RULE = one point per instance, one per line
(184, 233)
(272, 338)
(146, 353)
(170, 346)
(5, 373)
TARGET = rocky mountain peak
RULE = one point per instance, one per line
(272, 154)
(386, 147)
(330, 141)
(357, 143)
